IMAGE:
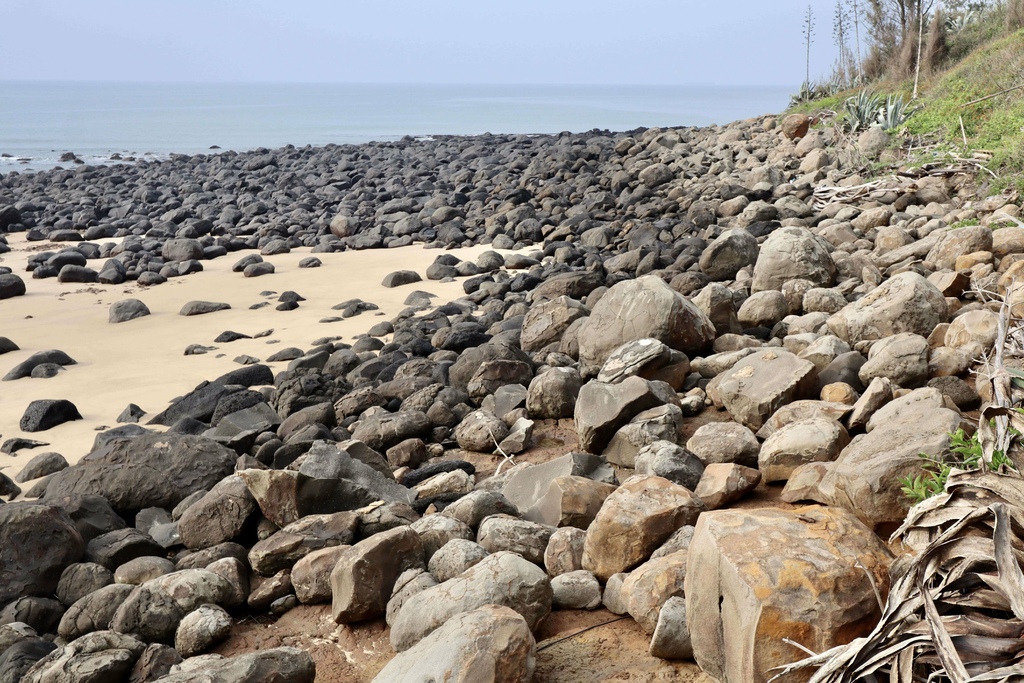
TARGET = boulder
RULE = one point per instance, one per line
(956, 242)
(481, 432)
(763, 309)
(670, 461)
(127, 309)
(634, 520)
(728, 253)
(490, 643)
(722, 484)
(37, 542)
(791, 253)
(636, 309)
(364, 575)
(285, 547)
(818, 439)
(505, 532)
(547, 321)
(530, 490)
(152, 470)
(455, 557)
(904, 303)
(972, 333)
(502, 579)
(756, 577)
(647, 358)
(724, 442)
(552, 394)
(901, 358)
(48, 413)
(153, 610)
(311, 575)
(671, 639)
(564, 553)
(277, 665)
(94, 658)
(576, 590)
(646, 588)
(602, 409)
(25, 367)
(761, 383)
(663, 423)
(11, 286)
(201, 629)
(218, 516)
(399, 278)
(865, 479)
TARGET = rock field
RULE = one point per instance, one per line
(746, 367)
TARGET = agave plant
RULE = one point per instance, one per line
(894, 113)
(958, 22)
(862, 110)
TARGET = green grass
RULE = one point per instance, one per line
(995, 125)
(981, 64)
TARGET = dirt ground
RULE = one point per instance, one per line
(615, 651)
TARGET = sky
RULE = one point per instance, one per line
(641, 42)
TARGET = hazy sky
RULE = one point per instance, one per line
(728, 42)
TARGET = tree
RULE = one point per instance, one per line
(840, 35)
(808, 39)
(856, 27)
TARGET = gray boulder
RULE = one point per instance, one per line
(790, 253)
(638, 309)
(670, 461)
(37, 542)
(364, 576)
(603, 408)
(277, 665)
(490, 643)
(201, 629)
(152, 470)
(761, 383)
(94, 658)
(48, 413)
(904, 303)
(728, 253)
(503, 579)
(153, 610)
(127, 309)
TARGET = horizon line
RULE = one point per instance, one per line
(393, 83)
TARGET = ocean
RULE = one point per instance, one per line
(41, 121)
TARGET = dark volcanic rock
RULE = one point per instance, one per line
(36, 543)
(153, 470)
(25, 368)
(48, 413)
(127, 309)
(11, 285)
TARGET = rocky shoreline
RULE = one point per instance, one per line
(748, 343)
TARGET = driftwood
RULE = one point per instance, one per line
(956, 608)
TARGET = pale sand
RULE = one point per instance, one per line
(142, 361)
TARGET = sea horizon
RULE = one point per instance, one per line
(105, 122)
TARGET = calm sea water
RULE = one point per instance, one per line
(39, 121)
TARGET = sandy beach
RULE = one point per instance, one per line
(142, 361)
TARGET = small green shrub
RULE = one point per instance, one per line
(966, 455)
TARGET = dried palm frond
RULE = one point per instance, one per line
(955, 611)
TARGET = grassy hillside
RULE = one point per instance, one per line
(994, 125)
